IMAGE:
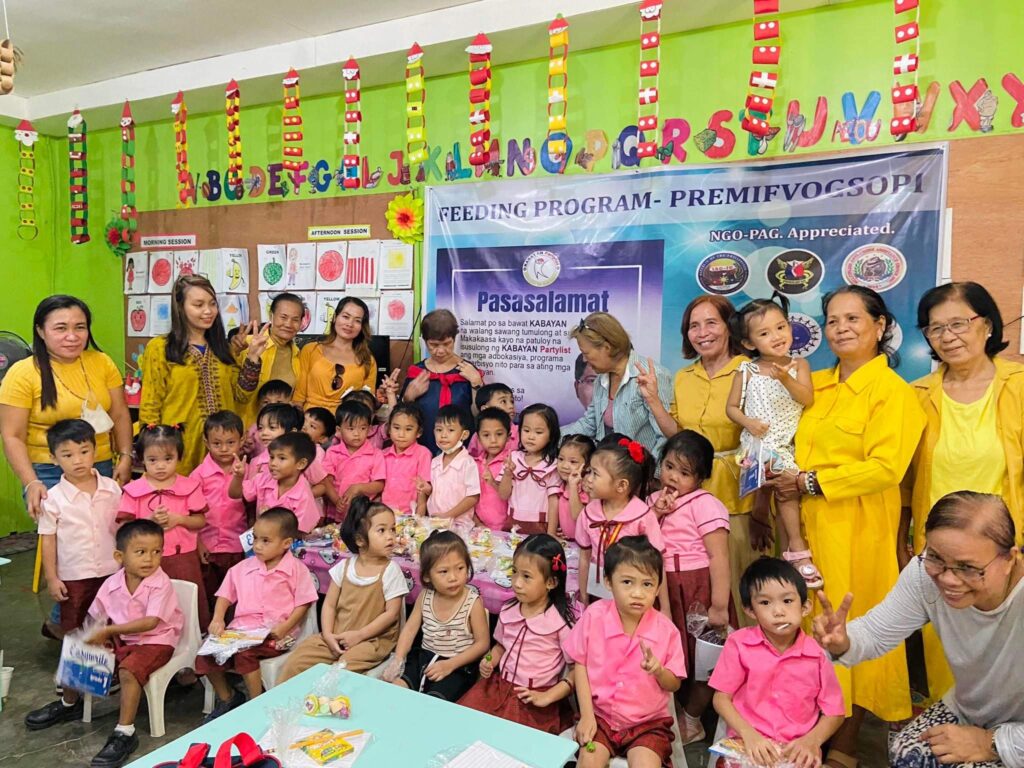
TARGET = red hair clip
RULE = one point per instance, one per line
(636, 451)
(557, 563)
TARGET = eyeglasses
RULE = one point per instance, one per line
(969, 574)
(957, 326)
(339, 373)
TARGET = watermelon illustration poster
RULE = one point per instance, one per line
(234, 267)
(159, 315)
(308, 301)
(234, 311)
(270, 260)
(395, 267)
(362, 267)
(330, 266)
(138, 316)
(136, 272)
(396, 314)
(161, 271)
(185, 263)
(323, 314)
(299, 267)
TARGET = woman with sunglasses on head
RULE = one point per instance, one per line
(967, 584)
(974, 437)
(340, 361)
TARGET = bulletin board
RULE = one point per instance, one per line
(247, 226)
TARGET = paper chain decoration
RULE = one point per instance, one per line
(763, 82)
(129, 214)
(26, 135)
(650, 67)
(232, 111)
(558, 84)
(185, 183)
(78, 178)
(291, 124)
(479, 99)
(415, 107)
(905, 95)
(353, 124)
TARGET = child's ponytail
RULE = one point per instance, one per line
(547, 550)
(356, 524)
(629, 460)
(740, 321)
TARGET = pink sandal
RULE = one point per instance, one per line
(805, 567)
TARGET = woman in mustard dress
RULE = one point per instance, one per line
(190, 373)
(853, 446)
(974, 438)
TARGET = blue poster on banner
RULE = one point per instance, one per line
(521, 263)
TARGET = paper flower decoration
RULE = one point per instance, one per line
(906, 101)
(353, 125)
(291, 124)
(117, 236)
(233, 117)
(558, 84)
(650, 69)
(763, 82)
(129, 214)
(479, 98)
(405, 218)
(415, 107)
(78, 179)
(26, 135)
(186, 186)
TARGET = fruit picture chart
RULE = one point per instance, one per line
(330, 265)
(270, 262)
(161, 270)
(138, 315)
(136, 272)
(395, 317)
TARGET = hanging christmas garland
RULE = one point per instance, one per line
(291, 125)
(353, 125)
(763, 82)
(650, 69)
(27, 136)
(78, 179)
(129, 213)
(186, 186)
(905, 93)
(233, 115)
(558, 86)
(479, 98)
(415, 107)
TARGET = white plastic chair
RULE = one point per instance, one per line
(184, 656)
(377, 672)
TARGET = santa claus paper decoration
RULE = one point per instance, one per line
(233, 116)
(184, 177)
(764, 79)
(78, 179)
(558, 85)
(353, 125)
(479, 99)
(415, 106)
(650, 68)
(291, 126)
(905, 94)
(129, 214)
(27, 136)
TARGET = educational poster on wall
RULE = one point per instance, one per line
(138, 315)
(136, 272)
(323, 314)
(522, 263)
(300, 267)
(270, 262)
(395, 267)
(234, 266)
(330, 265)
(308, 302)
(234, 311)
(161, 271)
(159, 315)
(185, 263)
(395, 316)
(362, 267)
(374, 306)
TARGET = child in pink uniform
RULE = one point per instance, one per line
(492, 435)
(573, 462)
(530, 686)
(695, 527)
(271, 590)
(500, 396)
(274, 420)
(284, 484)
(617, 484)
(454, 487)
(219, 543)
(353, 464)
(320, 425)
(532, 486)
(405, 461)
(273, 391)
(629, 661)
(774, 686)
(175, 502)
(378, 432)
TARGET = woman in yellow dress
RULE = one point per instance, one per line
(974, 438)
(853, 447)
(190, 373)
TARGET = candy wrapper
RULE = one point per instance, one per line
(225, 645)
(305, 747)
(84, 667)
(327, 706)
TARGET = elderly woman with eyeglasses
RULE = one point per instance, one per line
(967, 585)
(974, 438)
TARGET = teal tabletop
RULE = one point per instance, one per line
(408, 728)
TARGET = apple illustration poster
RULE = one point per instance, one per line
(234, 310)
(324, 314)
(138, 316)
(234, 268)
(396, 314)
(185, 263)
(362, 268)
(299, 267)
(159, 315)
(270, 260)
(136, 272)
(161, 271)
(330, 266)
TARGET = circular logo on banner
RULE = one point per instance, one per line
(795, 271)
(541, 268)
(806, 335)
(876, 266)
(723, 273)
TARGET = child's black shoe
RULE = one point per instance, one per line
(116, 751)
(52, 714)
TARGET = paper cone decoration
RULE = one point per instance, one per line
(415, 107)
(558, 85)
(78, 180)
(186, 186)
(906, 100)
(479, 99)
(232, 113)
(766, 55)
(291, 126)
(6, 67)
(27, 136)
(650, 70)
(129, 214)
(352, 126)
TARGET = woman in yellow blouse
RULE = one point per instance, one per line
(190, 373)
(340, 361)
(853, 446)
(974, 438)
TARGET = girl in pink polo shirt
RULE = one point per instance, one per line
(532, 483)
(695, 527)
(175, 502)
(494, 443)
(573, 462)
(523, 678)
(405, 461)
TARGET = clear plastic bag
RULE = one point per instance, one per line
(394, 667)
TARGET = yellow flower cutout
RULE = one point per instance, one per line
(405, 218)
